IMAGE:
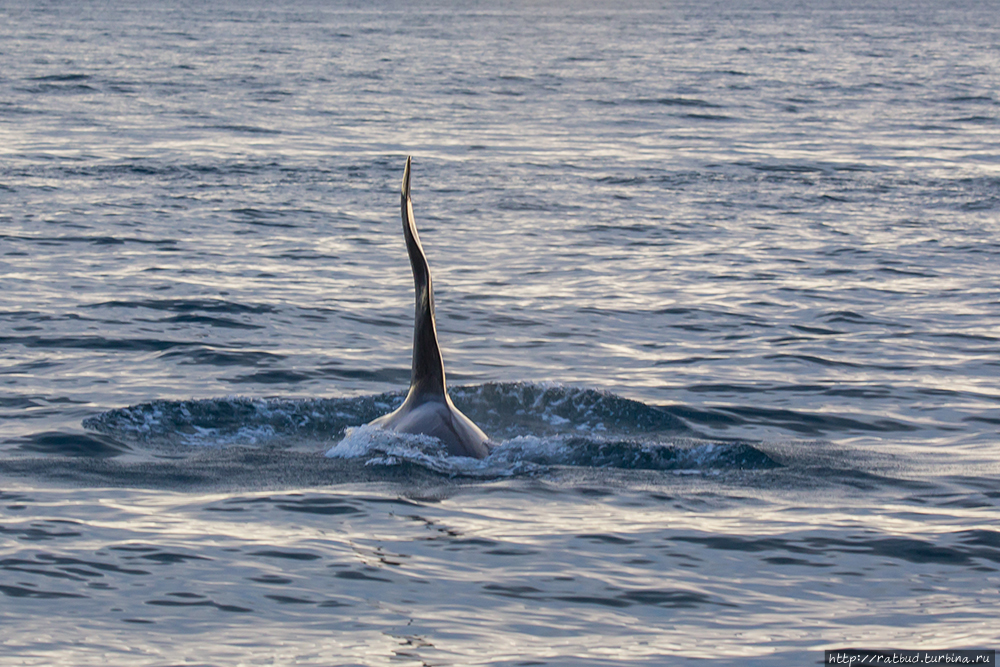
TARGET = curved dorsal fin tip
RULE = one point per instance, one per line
(406, 178)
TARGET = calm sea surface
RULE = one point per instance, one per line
(723, 278)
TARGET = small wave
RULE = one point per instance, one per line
(532, 454)
(187, 305)
(61, 77)
(510, 204)
(206, 355)
(620, 180)
(977, 99)
(597, 452)
(95, 240)
(238, 420)
(94, 343)
(72, 444)
(707, 116)
(65, 88)
(677, 102)
(785, 167)
(11, 109)
(975, 544)
(510, 409)
(505, 410)
(246, 129)
(977, 119)
(275, 376)
(205, 320)
(536, 427)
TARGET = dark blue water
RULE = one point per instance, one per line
(720, 278)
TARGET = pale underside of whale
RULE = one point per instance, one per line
(428, 409)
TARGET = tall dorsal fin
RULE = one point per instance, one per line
(427, 374)
(427, 409)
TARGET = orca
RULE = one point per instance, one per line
(428, 409)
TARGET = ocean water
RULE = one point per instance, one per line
(720, 278)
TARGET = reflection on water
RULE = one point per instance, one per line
(721, 278)
(481, 574)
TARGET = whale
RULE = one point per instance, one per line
(428, 409)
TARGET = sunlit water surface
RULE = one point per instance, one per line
(720, 278)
